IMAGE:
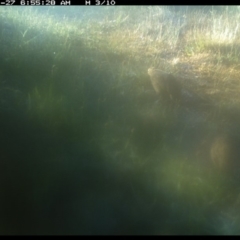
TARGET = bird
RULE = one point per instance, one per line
(225, 154)
(165, 85)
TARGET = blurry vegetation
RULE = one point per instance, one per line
(86, 145)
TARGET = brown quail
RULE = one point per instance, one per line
(165, 84)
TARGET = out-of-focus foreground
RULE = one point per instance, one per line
(89, 146)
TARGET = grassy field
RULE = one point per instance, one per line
(87, 147)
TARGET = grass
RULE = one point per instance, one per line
(77, 107)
